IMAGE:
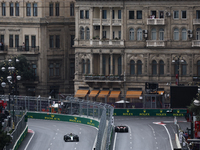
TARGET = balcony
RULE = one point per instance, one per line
(4, 49)
(106, 22)
(95, 42)
(28, 49)
(196, 21)
(116, 22)
(195, 43)
(156, 21)
(103, 78)
(155, 43)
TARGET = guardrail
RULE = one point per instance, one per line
(71, 106)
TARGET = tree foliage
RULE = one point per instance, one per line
(23, 68)
(195, 109)
(5, 139)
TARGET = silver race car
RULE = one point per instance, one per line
(71, 137)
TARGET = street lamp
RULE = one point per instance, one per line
(12, 80)
(177, 60)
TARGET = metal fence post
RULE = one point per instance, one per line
(71, 108)
(87, 109)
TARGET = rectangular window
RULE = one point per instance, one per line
(2, 38)
(113, 34)
(57, 9)
(11, 9)
(153, 13)
(16, 40)
(71, 9)
(16, 9)
(161, 14)
(51, 70)
(131, 14)
(113, 14)
(139, 14)
(119, 14)
(57, 41)
(51, 43)
(3, 9)
(34, 9)
(104, 34)
(119, 35)
(104, 14)
(87, 14)
(26, 43)
(81, 14)
(57, 69)
(34, 69)
(176, 14)
(28, 9)
(198, 14)
(72, 40)
(10, 40)
(33, 41)
(184, 14)
(51, 9)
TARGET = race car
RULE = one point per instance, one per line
(71, 137)
(121, 128)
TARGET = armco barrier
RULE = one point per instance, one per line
(61, 117)
(150, 112)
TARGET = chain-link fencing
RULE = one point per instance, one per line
(70, 106)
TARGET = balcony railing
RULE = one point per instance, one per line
(103, 77)
(28, 48)
(196, 43)
(107, 42)
(116, 22)
(196, 21)
(155, 43)
(96, 21)
(4, 48)
(156, 21)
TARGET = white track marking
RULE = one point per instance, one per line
(29, 140)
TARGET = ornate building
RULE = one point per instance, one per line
(43, 31)
(121, 45)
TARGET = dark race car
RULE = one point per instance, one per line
(121, 128)
(71, 138)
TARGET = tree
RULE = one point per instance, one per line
(195, 109)
(23, 68)
(5, 139)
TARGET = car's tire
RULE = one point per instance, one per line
(116, 129)
(126, 129)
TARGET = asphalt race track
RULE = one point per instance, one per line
(147, 133)
(48, 135)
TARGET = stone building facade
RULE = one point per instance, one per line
(121, 45)
(46, 28)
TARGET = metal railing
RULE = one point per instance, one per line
(72, 106)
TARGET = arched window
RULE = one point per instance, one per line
(132, 67)
(176, 34)
(198, 34)
(184, 34)
(184, 68)
(119, 66)
(198, 68)
(139, 34)
(131, 34)
(153, 34)
(87, 33)
(139, 67)
(82, 33)
(161, 67)
(88, 66)
(154, 67)
(83, 66)
(161, 34)
(104, 66)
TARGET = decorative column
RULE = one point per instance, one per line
(91, 25)
(100, 36)
(100, 63)
(111, 23)
(122, 23)
(122, 57)
(76, 26)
